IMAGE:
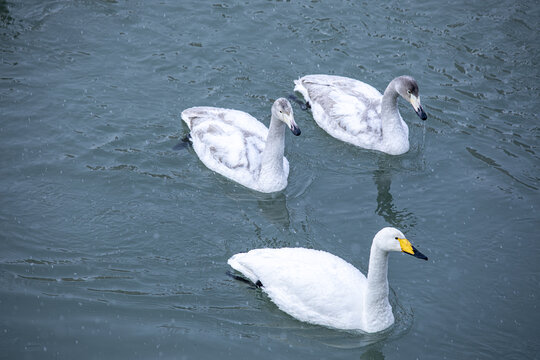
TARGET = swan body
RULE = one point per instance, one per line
(320, 288)
(238, 146)
(357, 113)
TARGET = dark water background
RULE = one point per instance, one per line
(114, 245)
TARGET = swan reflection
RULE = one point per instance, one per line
(403, 219)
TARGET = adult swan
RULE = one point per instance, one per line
(321, 288)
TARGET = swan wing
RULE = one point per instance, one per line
(346, 108)
(310, 285)
(229, 142)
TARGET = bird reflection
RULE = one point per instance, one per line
(401, 219)
(4, 11)
(373, 353)
(274, 208)
(370, 344)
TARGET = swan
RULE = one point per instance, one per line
(357, 113)
(320, 288)
(239, 147)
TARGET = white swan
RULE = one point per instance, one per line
(236, 145)
(320, 288)
(355, 112)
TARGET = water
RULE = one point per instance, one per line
(114, 245)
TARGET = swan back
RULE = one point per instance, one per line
(236, 145)
(347, 109)
(355, 112)
(320, 288)
(311, 285)
(227, 141)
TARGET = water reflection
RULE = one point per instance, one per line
(372, 354)
(400, 219)
(274, 208)
(372, 343)
(4, 11)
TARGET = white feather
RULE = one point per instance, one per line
(351, 111)
(320, 288)
(232, 142)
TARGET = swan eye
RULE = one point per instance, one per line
(396, 238)
(408, 92)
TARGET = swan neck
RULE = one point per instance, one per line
(395, 132)
(272, 155)
(389, 106)
(377, 309)
(378, 271)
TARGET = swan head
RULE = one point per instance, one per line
(282, 110)
(408, 88)
(391, 239)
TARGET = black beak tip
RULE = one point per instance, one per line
(423, 257)
(419, 255)
(421, 114)
(296, 131)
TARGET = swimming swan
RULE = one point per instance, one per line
(236, 145)
(355, 112)
(320, 288)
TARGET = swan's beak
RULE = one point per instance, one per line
(289, 120)
(406, 247)
(415, 102)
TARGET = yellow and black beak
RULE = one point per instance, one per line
(406, 247)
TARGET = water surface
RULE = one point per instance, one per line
(114, 245)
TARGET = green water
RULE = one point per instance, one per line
(113, 245)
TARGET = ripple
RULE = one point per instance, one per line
(38, 278)
(40, 262)
(92, 91)
(131, 168)
(119, 291)
(493, 164)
